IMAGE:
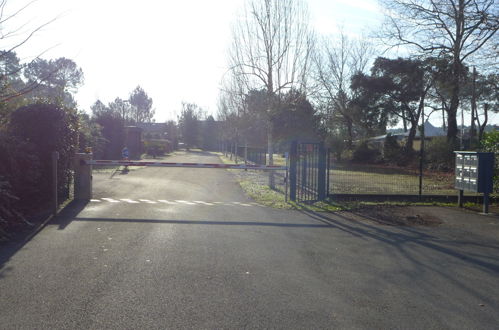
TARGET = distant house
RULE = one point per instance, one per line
(430, 132)
(155, 138)
(153, 130)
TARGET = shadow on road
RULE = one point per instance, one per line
(427, 253)
(63, 219)
(405, 235)
(207, 222)
(67, 215)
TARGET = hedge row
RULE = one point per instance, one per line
(26, 144)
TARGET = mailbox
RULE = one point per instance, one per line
(474, 171)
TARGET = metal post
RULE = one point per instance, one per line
(328, 170)
(246, 152)
(55, 157)
(321, 175)
(236, 147)
(486, 203)
(304, 176)
(460, 198)
(421, 154)
(286, 177)
(293, 153)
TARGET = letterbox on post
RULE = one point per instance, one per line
(474, 172)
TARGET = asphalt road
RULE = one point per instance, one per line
(185, 248)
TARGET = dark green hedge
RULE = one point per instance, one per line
(42, 129)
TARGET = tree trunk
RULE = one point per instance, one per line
(474, 111)
(481, 128)
(415, 121)
(350, 132)
(404, 121)
(452, 129)
(444, 127)
(410, 138)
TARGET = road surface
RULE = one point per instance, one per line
(185, 248)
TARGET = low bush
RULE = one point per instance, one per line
(10, 216)
(490, 143)
(20, 169)
(392, 150)
(365, 154)
(157, 147)
(439, 154)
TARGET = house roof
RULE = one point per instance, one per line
(152, 127)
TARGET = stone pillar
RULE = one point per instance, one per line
(83, 177)
(134, 141)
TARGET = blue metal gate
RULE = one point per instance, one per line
(307, 171)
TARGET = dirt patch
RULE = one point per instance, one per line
(395, 215)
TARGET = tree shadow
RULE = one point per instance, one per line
(406, 243)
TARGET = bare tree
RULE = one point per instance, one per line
(459, 29)
(271, 45)
(15, 36)
(335, 62)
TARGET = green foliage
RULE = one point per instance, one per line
(439, 154)
(294, 118)
(55, 80)
(112, 130)
(20, 169)
(363, 153)
(90, 135)
(9, 213)
(189, 124)
(490, 143)
(48, 128)
(142, 106)
(210, 134)
(157, 147)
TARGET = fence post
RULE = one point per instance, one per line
(55, 158)
(83, 177)
(293, 155)
(246, 152)
(328, 168)
(421, 155)
(236, 147)
(321, 175)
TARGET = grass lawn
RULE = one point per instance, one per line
(376, 179)
(356, 179)
(255, 185)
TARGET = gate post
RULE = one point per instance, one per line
(246, 152)
(83, 177)
(321, 175)
(293, 158)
